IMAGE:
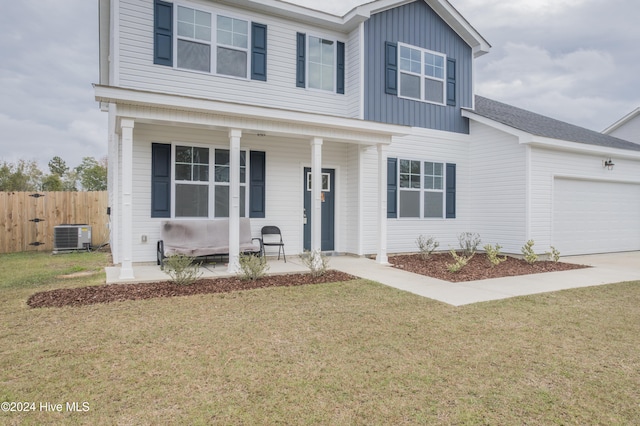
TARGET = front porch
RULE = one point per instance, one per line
(221, 139)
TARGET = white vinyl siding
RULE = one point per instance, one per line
(440, 147)
(285, 160)
(137, 71)
(498, 188)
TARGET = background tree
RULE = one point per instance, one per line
(93, 174)
(21, 176)
(57, 166)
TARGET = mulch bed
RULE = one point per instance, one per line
(478, 268)
(121, 292)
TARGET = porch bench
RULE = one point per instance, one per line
(202, 238)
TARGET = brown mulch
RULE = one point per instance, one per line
(121, 292)
(478, 268)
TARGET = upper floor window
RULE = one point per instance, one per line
(422, 74)
(194, 39)
(320, 63)
(209, 42)
(419, 74)
(233, 44)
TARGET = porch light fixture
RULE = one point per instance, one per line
(608, 164)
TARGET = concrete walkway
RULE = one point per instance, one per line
(605, 269)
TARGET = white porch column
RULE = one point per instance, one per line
(126, 224)
(381, 256)
(316, 194)
(234, 199)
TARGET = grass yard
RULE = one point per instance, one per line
(342, 353)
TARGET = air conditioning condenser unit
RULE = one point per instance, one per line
(71, 237)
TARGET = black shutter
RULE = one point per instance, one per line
(451, 191)
(392, 188)
(160, 180)
(258, 52)
(391, 68)
(451, 82)
(340, 68)
(258, 187)
(163, 33)
(301, 60)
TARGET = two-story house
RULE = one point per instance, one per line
(221, 108)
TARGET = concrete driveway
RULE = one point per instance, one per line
(605, 269)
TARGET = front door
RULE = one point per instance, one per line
(328, 208)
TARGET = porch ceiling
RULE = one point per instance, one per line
(166, 109)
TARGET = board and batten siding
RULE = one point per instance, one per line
(418, 25)
(137, 70)
(423, 145)
(285, 160)
(498, 188)
(548, 165)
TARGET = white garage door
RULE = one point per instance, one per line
(595, 216)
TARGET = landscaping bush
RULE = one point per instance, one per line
(530, 256)
(316, 261)
(460, 262)
(252, 267)
(469, 242)
(426, 246)
(182, 269)
(493, 254)
(554, 254)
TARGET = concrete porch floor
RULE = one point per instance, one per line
(150, 272)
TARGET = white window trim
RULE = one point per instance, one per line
(213, 66)
(335, 62)
(422, 75)
(211, 183)
(422, 190)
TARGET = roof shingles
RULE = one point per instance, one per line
(539, 125)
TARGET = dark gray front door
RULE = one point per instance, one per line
(328, 208)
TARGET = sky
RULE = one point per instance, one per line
(573, 60)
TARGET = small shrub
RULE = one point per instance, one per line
(426, 246)
(469, 242)
(460, 262)
(493, 254)
(554, 254)
(252, 267)
(182, 269)
(530, 256)
(316, 261)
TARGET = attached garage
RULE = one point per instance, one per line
(592, 216)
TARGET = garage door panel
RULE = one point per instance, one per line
(595, 216)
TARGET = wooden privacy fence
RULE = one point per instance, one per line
(27, 219)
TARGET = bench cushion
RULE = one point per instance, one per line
(203, 237)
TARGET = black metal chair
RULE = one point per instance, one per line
(274, 238)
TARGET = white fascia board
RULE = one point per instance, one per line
(624, 120)
(303, 14)
(446, 11)
(561, 145)
(184, 103)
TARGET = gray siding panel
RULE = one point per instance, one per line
(416, 24)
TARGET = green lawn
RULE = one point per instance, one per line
(342, 353)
